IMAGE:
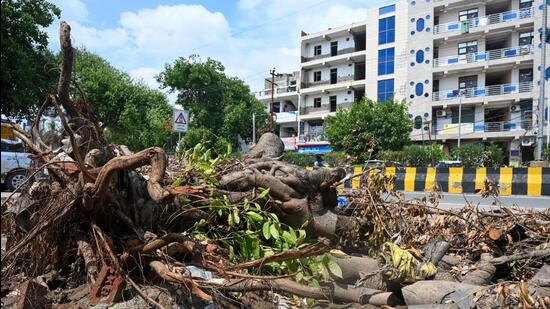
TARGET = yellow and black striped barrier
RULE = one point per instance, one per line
(532, 181)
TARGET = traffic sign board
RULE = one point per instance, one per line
(180, 120)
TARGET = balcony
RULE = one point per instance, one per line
(327, 81)
(280, 90)
(340, 52)
(479, 130)
(324, 108)
(456, 27)
(285, 117)
(482, 57)
(313, 137)
(493, 90)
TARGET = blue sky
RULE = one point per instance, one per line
(248, 36)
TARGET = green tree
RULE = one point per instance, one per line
(479, 155)
(369, 126)
(223, 105)
(27, 74)
(133, 114)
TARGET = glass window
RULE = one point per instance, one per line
(386, 9)
(317, 76)
(526, 38)
(468, 14)
(467, 47)
(317, 102)
(466, 82)
(385, 90)
(386, 60)
(386, 30)
(525, 75)
(524, 4)
(332, 100)
(317, 50)
(468, 115)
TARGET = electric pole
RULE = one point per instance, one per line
(540, 131)
(272, 72)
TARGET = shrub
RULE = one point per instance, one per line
(415, 155)
(204, 136)
(546, 153)
(332, 158)
(479, 155)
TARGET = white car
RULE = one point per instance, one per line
(15, 162)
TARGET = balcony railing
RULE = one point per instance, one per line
(313, 137)
(483, 91)
(340, 52)
(279, 90)
(484, 56)
(486, 127)
(484, 21)
(323, 108)
(327, 81)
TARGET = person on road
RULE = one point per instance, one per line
(319, 163)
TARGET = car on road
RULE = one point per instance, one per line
(15, 163)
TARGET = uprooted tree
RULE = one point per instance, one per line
(257, 224)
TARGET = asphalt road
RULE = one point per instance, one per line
(450, 201)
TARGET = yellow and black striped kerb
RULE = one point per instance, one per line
(532, 181)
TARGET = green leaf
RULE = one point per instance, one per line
(236, 217)
(299, 276)
(274, 231)
(263, 194)
(334, 268)
(289, 238)
(266, 230)
(254, 216)
(274, 216)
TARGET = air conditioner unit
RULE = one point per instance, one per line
(527, 141)
(441, 113)
(514, 108)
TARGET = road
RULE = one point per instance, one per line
(450, 201)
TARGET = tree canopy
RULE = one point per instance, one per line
(133, 113)
(369, 126)
(27, 65)
(221, 104)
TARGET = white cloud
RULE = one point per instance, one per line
(169, 30)
(72, 9)
(146, 75)
(98, 39)
(249, 4)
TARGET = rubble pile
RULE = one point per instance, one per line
(97, 225)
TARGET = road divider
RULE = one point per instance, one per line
(531, 181)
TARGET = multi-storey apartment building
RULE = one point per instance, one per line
(477, 63)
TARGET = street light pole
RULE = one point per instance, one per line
(459, 116)
(540, 131)
(253, 128)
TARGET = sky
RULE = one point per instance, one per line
(249, 37)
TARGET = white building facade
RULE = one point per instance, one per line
(482, 58)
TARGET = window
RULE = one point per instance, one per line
(333, 76)
(468, 115)
(524, 4)
(317, 50)
(386, 9)
(386, 59)
(385, 90)
(466, 82)
(525, 75)
(317, 76)
(467, 47)
(334, 48)
(317, 102)
(526, 38)
(332, 100)
(468, 14)
(386, 30)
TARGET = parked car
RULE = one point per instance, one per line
(15, 163)
(448, 163)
